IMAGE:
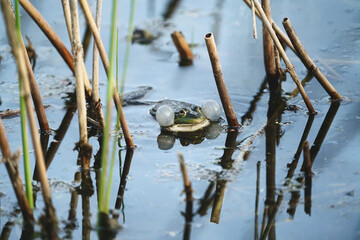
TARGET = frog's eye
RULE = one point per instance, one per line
(196, 109)
(182, 112)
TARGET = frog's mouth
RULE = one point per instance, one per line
(195, 125)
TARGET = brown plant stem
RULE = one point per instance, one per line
(105, 60)
(53, 37)
(220, 83)
(268, 45)
(35, 94)
(308, 62)
(289, 66)
(14, 175)
(85, 148)
(186, 56)
(95, 72)
(23, 76)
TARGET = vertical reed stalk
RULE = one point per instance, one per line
(95, 73)
(103, 205)
(87, 11)
(128, 45)
(25, 142)
(220, 83)
(308, 62)
(80, 94)
(253, 19)
(19, 56)
(289, 66)
(268, 45)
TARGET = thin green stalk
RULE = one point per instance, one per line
(117, 73)
(104, 157)
(128, 44)
(25, 141)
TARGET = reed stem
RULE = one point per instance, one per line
(80, 93)
(186, 56)
(308, 62)
(25, 142)
(268, 45)
(289, 66)
(95, 72)
(103, 191)
(87, 12)
(13, 172)
(21, 66)
(220, 83)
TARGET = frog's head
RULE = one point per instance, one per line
(189, 115)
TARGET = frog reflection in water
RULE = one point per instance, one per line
(190, 124)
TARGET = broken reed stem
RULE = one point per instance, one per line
(187, 183)
(80, 94)
(276, 28)
(220, 83)
(308, 62)
(253, 19)
(95, 72)
(13, 171)
(87, 12)
(23, 76)
(289, 66)
(268, 45)
(54, 39)
(307, 159)
(186, 56)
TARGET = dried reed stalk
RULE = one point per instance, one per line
(186, 56)
(289, 66)
(14, 175)
(276, 28)
(253, 20)
(35, 94)
(308, 62)
(105, 60)
(85, 148)
(23, 76)
(268, 45)
(54, 39)
(220, 83)
(95, 72)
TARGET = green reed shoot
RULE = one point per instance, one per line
(103, 206)
(25, 141)
(117, 74)
(128, 44)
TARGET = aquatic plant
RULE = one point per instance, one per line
(24, 136)
(103, 188)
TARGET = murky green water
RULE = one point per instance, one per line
(224, 181)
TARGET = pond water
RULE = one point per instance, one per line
(221, 167)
